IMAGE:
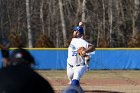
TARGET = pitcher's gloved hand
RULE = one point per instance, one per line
(81, 51)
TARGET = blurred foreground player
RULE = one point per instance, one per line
(19, 77)
(5, 55)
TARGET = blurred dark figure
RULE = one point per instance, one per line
(5, 55)
(19, 77)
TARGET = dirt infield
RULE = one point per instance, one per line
(98, 81)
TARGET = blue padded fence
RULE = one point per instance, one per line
(102, 59)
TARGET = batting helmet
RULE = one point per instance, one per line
(21, 56)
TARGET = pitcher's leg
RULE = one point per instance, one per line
(70, 73)
(79, 71)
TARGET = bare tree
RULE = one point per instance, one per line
(1, 20)
(135, 13)
(41, 16)
(83, 13)
(110, 21)
(103, 5)
(62, 22)
(29, 24)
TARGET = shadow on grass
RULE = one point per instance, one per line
(101, 91)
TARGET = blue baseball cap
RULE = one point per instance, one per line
(78, 28)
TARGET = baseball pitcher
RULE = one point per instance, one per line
(77, 51)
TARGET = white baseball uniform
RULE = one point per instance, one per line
(76, 64)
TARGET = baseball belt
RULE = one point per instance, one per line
(82, 64)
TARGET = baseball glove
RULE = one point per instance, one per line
(81, 52)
